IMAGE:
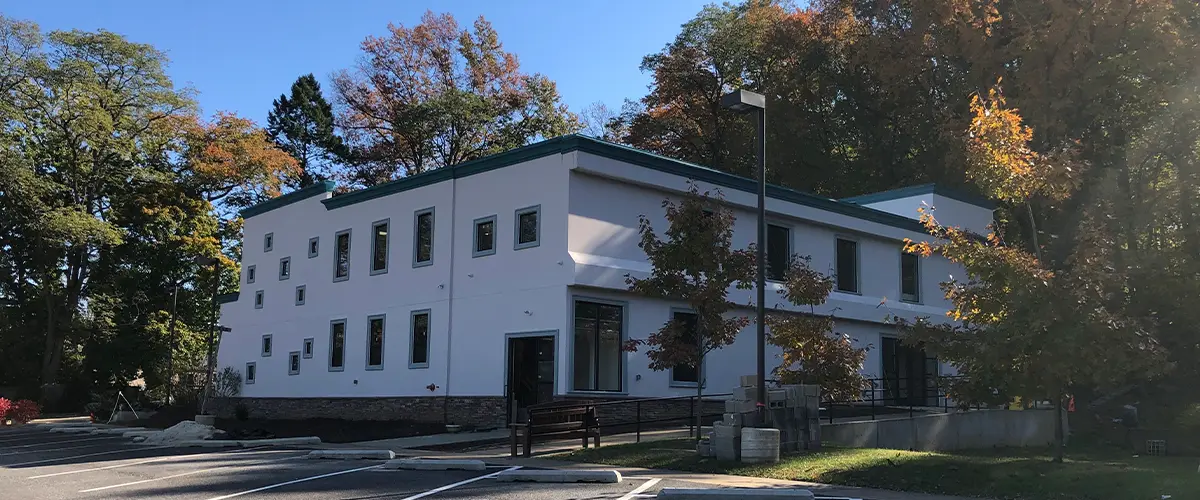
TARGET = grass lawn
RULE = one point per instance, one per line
(1095, 473)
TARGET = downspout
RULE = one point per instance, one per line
(450, 300)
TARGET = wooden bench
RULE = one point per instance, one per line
(561, 419)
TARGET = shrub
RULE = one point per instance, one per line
(228, 383)
(5, 405)
(241, 412)
(24, 410)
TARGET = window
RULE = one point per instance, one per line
(314, 244)
(847, 265)
(419, 330)
(250, 372)
(337, 345)
(266, 345)
(686, 375)
(485, 236)
(250, 274)
(341, 257)
(308, 348)
(300, 293)
(285, 268)
(375, 331)
(910, 282)
(528, 227)
(268, 242)
(294, 363)
(598, 361)
(779, 251)
(423, 238)
(379, 247)
(258, 299)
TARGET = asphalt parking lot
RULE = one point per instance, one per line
(36, 464)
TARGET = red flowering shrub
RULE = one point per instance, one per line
(24, 410)
(5, 405)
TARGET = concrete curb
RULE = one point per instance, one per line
(352, 454)
(207, 443)
(434, 464)
(119, 431)
(742, 493)
(74, 430)
(560, 476)
(232, 443)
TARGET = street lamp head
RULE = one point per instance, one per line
(743, 101)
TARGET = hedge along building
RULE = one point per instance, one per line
(466, 292)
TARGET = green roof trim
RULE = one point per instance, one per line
(226, 298)
(287, 199)
(905, 192)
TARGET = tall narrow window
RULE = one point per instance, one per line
(294, 363)
(419, 357)
(910, 281)
(337, 346)
(597, 357)
(250, 274)
(341, 257)
(779, 250)
(268, 242)
(528, 227)
(250, 372)
(314, 245)
(423, 238)
(847, 265)
(686, 374)
(300, 295)
(308, 348)
(379, 247)
(266, 346)
(375, 332)
(258, 299)
(285, 268)
(485, 236)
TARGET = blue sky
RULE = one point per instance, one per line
(242, 54)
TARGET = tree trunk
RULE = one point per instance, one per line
(1033, 233)
(49, 364)
(697, 409)
(1059, 435)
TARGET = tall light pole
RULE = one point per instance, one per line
(743, 101)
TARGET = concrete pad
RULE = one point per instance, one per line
(434, 464)
(743, 493)
(353, 454)
(560, 476)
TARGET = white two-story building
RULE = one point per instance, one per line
(458, 294)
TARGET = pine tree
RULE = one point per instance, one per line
(302, 125)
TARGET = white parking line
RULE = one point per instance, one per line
(294, 481)
(48, 460)
(59, 442)
(158, 459)
(210, 469)
(636, 493)
(455, 485)
(53, 449)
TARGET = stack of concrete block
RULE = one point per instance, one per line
(727, 442)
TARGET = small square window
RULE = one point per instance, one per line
(285, 268)
(266, 345)
(314, 244)
(485, 236)
(250, 372)
(379, 247)
(307, 353)
(423, 238)
(300, 295)
(249, 274)
(269, 242)
(258, 299)
(294, 363)
(528, 227)
(337, 345)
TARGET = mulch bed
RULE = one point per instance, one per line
(328, 429)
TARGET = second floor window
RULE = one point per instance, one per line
(419, 349)
(423, 238)
(485, 236)
(528, 227)
(285, 268)
(847, 265)
(341, 255)
(910, 282)
(379, 247)
(269, 242)
(779, 250)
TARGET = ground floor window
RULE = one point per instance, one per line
(909, 374)
(597, 359)
(685, 375)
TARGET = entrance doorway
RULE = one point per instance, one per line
(530, 373)
(909, 375)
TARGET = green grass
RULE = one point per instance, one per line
(1027, 474)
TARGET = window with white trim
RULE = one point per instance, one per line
(528, 227)
(597, 359)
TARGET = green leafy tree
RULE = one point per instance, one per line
(435, 95)
(693, 262)
(302, 125)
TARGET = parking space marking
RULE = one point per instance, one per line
(636, 493)
(53, 449)
(48, 460)
(5, 448)
(294, 481)
(210, 469)
(455, 485)
(157, 459)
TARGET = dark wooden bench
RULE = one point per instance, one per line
(559, 419)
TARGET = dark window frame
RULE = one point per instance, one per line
(332, 334)
(857, 265)
(915, 297)
(337, 254)
(536, 211)
(777, 271)
(595, 382)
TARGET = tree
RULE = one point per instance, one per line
(812, 352)
(302, 125)
(433, 95)
(695, 263)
